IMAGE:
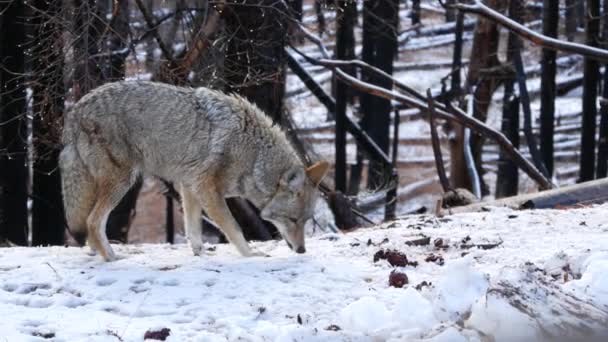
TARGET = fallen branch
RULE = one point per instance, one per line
(579, 194)
(477, 7)
(445, 183)
(525, 104)
(451, 113)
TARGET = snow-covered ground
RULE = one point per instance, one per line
(547, 278)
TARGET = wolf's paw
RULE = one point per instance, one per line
(197, 248)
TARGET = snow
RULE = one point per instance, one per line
(548, 278)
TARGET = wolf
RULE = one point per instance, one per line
(212, 145)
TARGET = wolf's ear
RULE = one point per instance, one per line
(317, 171)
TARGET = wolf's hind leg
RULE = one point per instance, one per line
(110, 191)
(78, 187)
(192, 220)
(215, 205)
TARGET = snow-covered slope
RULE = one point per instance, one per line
(547, 278)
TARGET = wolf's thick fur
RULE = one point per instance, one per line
(211, 144)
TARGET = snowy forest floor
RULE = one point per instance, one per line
(546, 279)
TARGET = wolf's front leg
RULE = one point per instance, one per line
(192, 218)
(217, 209)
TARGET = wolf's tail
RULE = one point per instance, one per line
(78, 187)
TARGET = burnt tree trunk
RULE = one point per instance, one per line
(320, 17)
(458, 174)
(48, 226)
(346, 15)
(88, 27)
(415, 15)
(484, 58)
(602, 149)
(380, 21)
(345, 49)
(590, 83)
(13, 128)
(547, 85)
(450, 13)
(507, 178)
(571, 18)
(254, 67)
(255, 56)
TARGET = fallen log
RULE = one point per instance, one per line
(569, 196)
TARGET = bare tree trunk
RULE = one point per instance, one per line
(484, 58)
(48, 226)
(602, 150)
(581, 13)
(415, 12)
(458, 174)
(450, 13)
(255, 58)
(547, 85)
(345, 49)
(380, 25)
(320, 17)
(507, 178)
(571, 19)
(590, 83)
(89, 24)
(13, 128)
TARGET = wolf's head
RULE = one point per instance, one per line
(294, 202)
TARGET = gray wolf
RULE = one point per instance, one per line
(210, 144)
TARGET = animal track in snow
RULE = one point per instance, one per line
(105, 281)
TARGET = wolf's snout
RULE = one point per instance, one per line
(301, 250)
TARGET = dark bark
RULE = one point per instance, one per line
(458, 173)
(571, 19)
(255, 56)
(481, 76)
(169, 222)
(602, 149)
(415, 12)
(581, 13)
(48, 106)
(547, 85)
(345, 48)
(346, 16)
(443, 179)
(456, 88)
(13, 127)
(380, 37)
(507, 178)
(296, 8)
(89, 25)
(450, 13)
(590, 83)
(315, 88)
(320, 17)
